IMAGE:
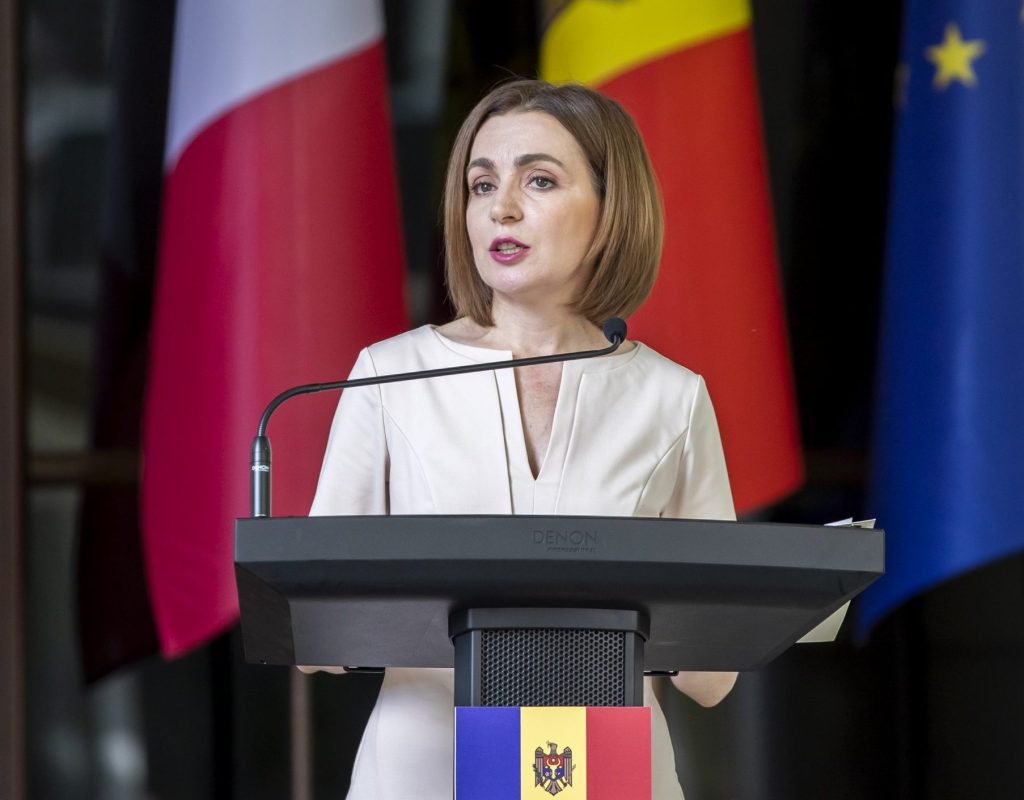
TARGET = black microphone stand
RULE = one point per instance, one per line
(259, 462)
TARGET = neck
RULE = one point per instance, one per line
(535, 332)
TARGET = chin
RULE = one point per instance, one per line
(507, 284)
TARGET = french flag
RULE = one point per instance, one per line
(280, 257)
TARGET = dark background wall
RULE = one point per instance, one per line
(926, 709)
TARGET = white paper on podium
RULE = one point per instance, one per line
(827, 629)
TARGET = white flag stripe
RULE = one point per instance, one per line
(229, 50)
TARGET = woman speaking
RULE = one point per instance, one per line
(553, 225)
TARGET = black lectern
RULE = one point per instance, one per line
(657, 595)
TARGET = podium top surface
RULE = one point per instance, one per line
(378, 591)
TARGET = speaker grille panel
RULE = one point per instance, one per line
(552, 667)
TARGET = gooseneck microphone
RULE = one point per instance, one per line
(259, 463)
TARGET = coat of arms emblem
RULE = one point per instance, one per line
(552, 771)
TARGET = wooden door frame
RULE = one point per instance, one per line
(12, 651)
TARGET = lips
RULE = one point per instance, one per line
(506, 250)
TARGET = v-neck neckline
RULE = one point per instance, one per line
(512, 388)
(543, 486)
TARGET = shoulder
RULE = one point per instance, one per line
(420, 348)
(410, 341)
(648, 386)
(664, 373)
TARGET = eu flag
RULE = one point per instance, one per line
(948, 479)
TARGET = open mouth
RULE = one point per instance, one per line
(507, 246)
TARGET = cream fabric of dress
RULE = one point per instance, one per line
(634, 434)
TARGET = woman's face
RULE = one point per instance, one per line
(532, 209)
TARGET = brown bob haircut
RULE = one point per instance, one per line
(626, 249)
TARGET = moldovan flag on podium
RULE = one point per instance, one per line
(520, 753)
(685, 72)
(280, 258)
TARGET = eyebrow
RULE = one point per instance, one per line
(521, 161)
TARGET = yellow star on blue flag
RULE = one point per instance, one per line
(948, 455)
(954, 58)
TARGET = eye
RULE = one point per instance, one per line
(481, 186)
(542, 182)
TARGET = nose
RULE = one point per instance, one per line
(505, 206)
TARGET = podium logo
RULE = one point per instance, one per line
(552, 771)
(566, 541)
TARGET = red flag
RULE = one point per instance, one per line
(685, 73)
(280, 257)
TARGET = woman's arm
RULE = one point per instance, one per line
(332, 670)
(706, 688)
(353, 477)
(702, 492)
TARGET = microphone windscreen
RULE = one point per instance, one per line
(615, 329)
